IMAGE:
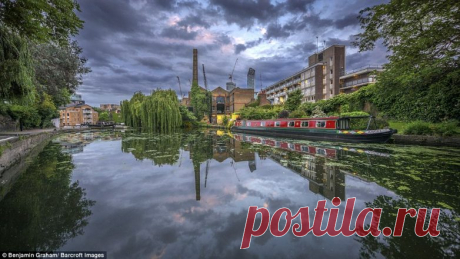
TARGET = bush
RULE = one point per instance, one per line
(446, 128)
(351, 114)
(283, 114)
(225, 121)
(418, 128)
(298, 114)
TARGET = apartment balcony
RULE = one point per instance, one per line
(359, 82)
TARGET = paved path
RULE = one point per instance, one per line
(25, 132)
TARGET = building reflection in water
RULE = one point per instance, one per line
(326, 180)
(74, 143)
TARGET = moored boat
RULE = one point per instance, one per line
(323, 129)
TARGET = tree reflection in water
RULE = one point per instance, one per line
(44, 208)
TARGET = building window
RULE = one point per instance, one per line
(320, 124)
(228, 108)
(277, 123)
(213, 108)
(291, 124)
(305, 124)
(331, 72)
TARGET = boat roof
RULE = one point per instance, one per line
(290, 119)
(322, 118)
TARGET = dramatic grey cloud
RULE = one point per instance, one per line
(141, 45)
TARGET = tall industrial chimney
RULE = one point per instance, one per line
(195, 66)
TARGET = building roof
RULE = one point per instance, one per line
(74, 105)
(362, 70)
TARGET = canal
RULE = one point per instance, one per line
(186, 195)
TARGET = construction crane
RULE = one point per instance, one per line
(209, 97)
(180, 89)
(205, 82)
(231, 75)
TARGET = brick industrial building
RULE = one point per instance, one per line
(324, 78)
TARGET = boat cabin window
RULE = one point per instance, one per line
(305, 124)
(248, 124)
(320, 124)
(291, 124)
(277, 123)
(343, 124)
(262, 124)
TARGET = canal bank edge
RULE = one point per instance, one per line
(16, 148)
(426, 140)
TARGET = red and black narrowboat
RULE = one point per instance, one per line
(323, 129)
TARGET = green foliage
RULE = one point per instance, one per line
(200, 100)
(421, 81)
(351, 114)
(27, 115)
(45, 207)
(260, 112)
(4, 147)
(299, 113)
(104, 116)
(116, 117)
(42, 20)
(294, 100)
(159, 111)
(58, 69)
(47, 110)
(16, 70)
(418, 128)
(225, 120)
(446, 128)
(283, 114)
(188, 118)
(318, 112)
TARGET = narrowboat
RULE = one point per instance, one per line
(322, 129)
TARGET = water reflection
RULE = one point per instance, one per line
(187, 194)
(44, 208)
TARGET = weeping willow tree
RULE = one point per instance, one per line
(158, 111)
(16, 68)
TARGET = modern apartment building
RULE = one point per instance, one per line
(251, 78)
(77, 115)
(319, 81)
(353, 80)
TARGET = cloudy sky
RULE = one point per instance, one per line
(141, 45)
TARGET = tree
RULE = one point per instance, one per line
(421, 80)
(158, 111)
(16, 70)
(42, 20)
(58, 69)
(200, 101)
(416, 32)
(47, 110)
(294, 100)
(104, 116)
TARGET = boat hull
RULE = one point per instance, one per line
(371, 136)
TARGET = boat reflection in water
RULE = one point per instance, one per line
(324, 178)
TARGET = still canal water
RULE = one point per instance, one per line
(186, 195)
